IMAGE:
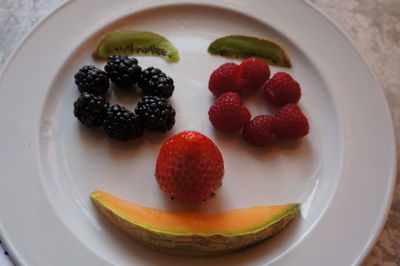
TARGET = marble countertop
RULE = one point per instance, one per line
(373, 26)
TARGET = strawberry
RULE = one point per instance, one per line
(282, 89)
(290, 122)
(189, 166)
(227, 113)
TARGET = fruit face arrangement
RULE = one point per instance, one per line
(153, 111)
(189, 166)
(230, 81)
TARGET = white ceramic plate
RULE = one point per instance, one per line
(342, 172)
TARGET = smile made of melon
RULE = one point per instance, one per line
(190, 234)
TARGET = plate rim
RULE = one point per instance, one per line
(374, 236)
(14, 256)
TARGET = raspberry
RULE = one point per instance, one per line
(189, 166)
(255, 73)
(282, 89)
(227, 113)
(259, 131)
(290, 123)
(226, 78)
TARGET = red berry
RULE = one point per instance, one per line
(290, 122)
(226, 78)
(259, 131)
(227, 113)
(282, 89)
(189, 166)
(255, 73)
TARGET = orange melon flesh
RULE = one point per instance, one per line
(229, 222)
(191, 234)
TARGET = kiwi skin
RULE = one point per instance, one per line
(136, 43)
(239, 46)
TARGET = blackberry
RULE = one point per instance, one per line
(122, 124)
(92, 80)
(155, 113)
(155, 82)
(91, 109)
(122, 70)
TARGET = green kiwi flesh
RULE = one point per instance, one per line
(237, 46)
(136, 43)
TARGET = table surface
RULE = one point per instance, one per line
(372, 25)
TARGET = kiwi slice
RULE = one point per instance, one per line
(237, 46)
(132, 42)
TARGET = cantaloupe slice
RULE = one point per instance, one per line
(190, 234)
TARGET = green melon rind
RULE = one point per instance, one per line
(238, 46)
(136, 43)
(196, 245)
